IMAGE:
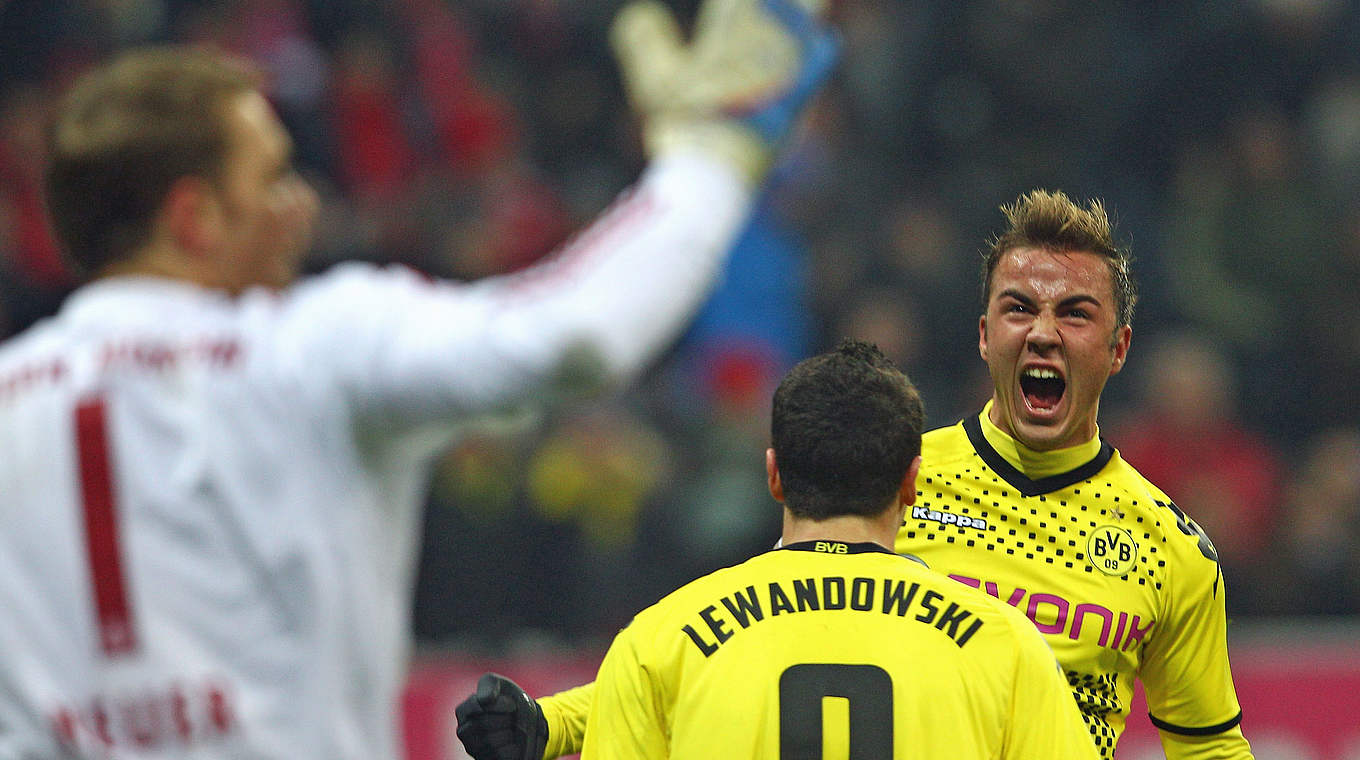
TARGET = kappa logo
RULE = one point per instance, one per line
(948, 518)
(1112, 550)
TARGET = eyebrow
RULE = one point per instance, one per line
(1069, 301)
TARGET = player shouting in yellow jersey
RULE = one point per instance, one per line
(1026, 502)
(831, 645)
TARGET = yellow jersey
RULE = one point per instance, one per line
(1120, 581)
(827, 649)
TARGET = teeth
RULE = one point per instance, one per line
(1041, 374)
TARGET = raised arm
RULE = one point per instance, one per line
(714, 112)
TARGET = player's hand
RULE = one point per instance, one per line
(501, 722)
(736, 87)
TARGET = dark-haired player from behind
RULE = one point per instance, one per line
(745, 661)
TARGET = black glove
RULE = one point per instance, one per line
(501, 722)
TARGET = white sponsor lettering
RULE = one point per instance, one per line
(948, 518)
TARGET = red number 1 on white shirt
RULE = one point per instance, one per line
(113, 614)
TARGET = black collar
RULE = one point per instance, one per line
(1025, 485)
(838, 547)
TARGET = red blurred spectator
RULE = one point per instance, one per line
(474, 124)
(1184, 436)
(33, 252)
(377, 159)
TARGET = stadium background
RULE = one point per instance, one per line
(468, 138)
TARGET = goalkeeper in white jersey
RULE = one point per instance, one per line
(831, 645)
(212, 477)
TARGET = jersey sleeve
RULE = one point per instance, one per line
(567, 713)
(406, 348)
(1044, 719)
(625, 721)
(1185, 670)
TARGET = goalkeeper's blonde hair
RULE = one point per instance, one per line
(1051, 221)
(125, 133)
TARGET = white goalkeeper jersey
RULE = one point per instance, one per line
(209, 507)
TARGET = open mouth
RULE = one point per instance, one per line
(1043, 388)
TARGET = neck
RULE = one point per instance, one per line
(1036, 463)
(880, 529)
(168, 263)
(152, 261)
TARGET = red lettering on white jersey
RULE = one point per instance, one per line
(155, 718)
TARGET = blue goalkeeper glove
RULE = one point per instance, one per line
(501, 722)
(736, 88)
(774, 118)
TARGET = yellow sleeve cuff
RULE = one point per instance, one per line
(566, 713)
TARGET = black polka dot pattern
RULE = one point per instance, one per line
(1044, 528)
(1097, 698)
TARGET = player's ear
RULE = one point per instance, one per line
(982, 336)
(772, 476)
(190, 214)
(1123, 336)
(908, 490)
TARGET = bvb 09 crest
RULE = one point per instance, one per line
(1111, 550)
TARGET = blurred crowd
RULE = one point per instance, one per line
(467, 138)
